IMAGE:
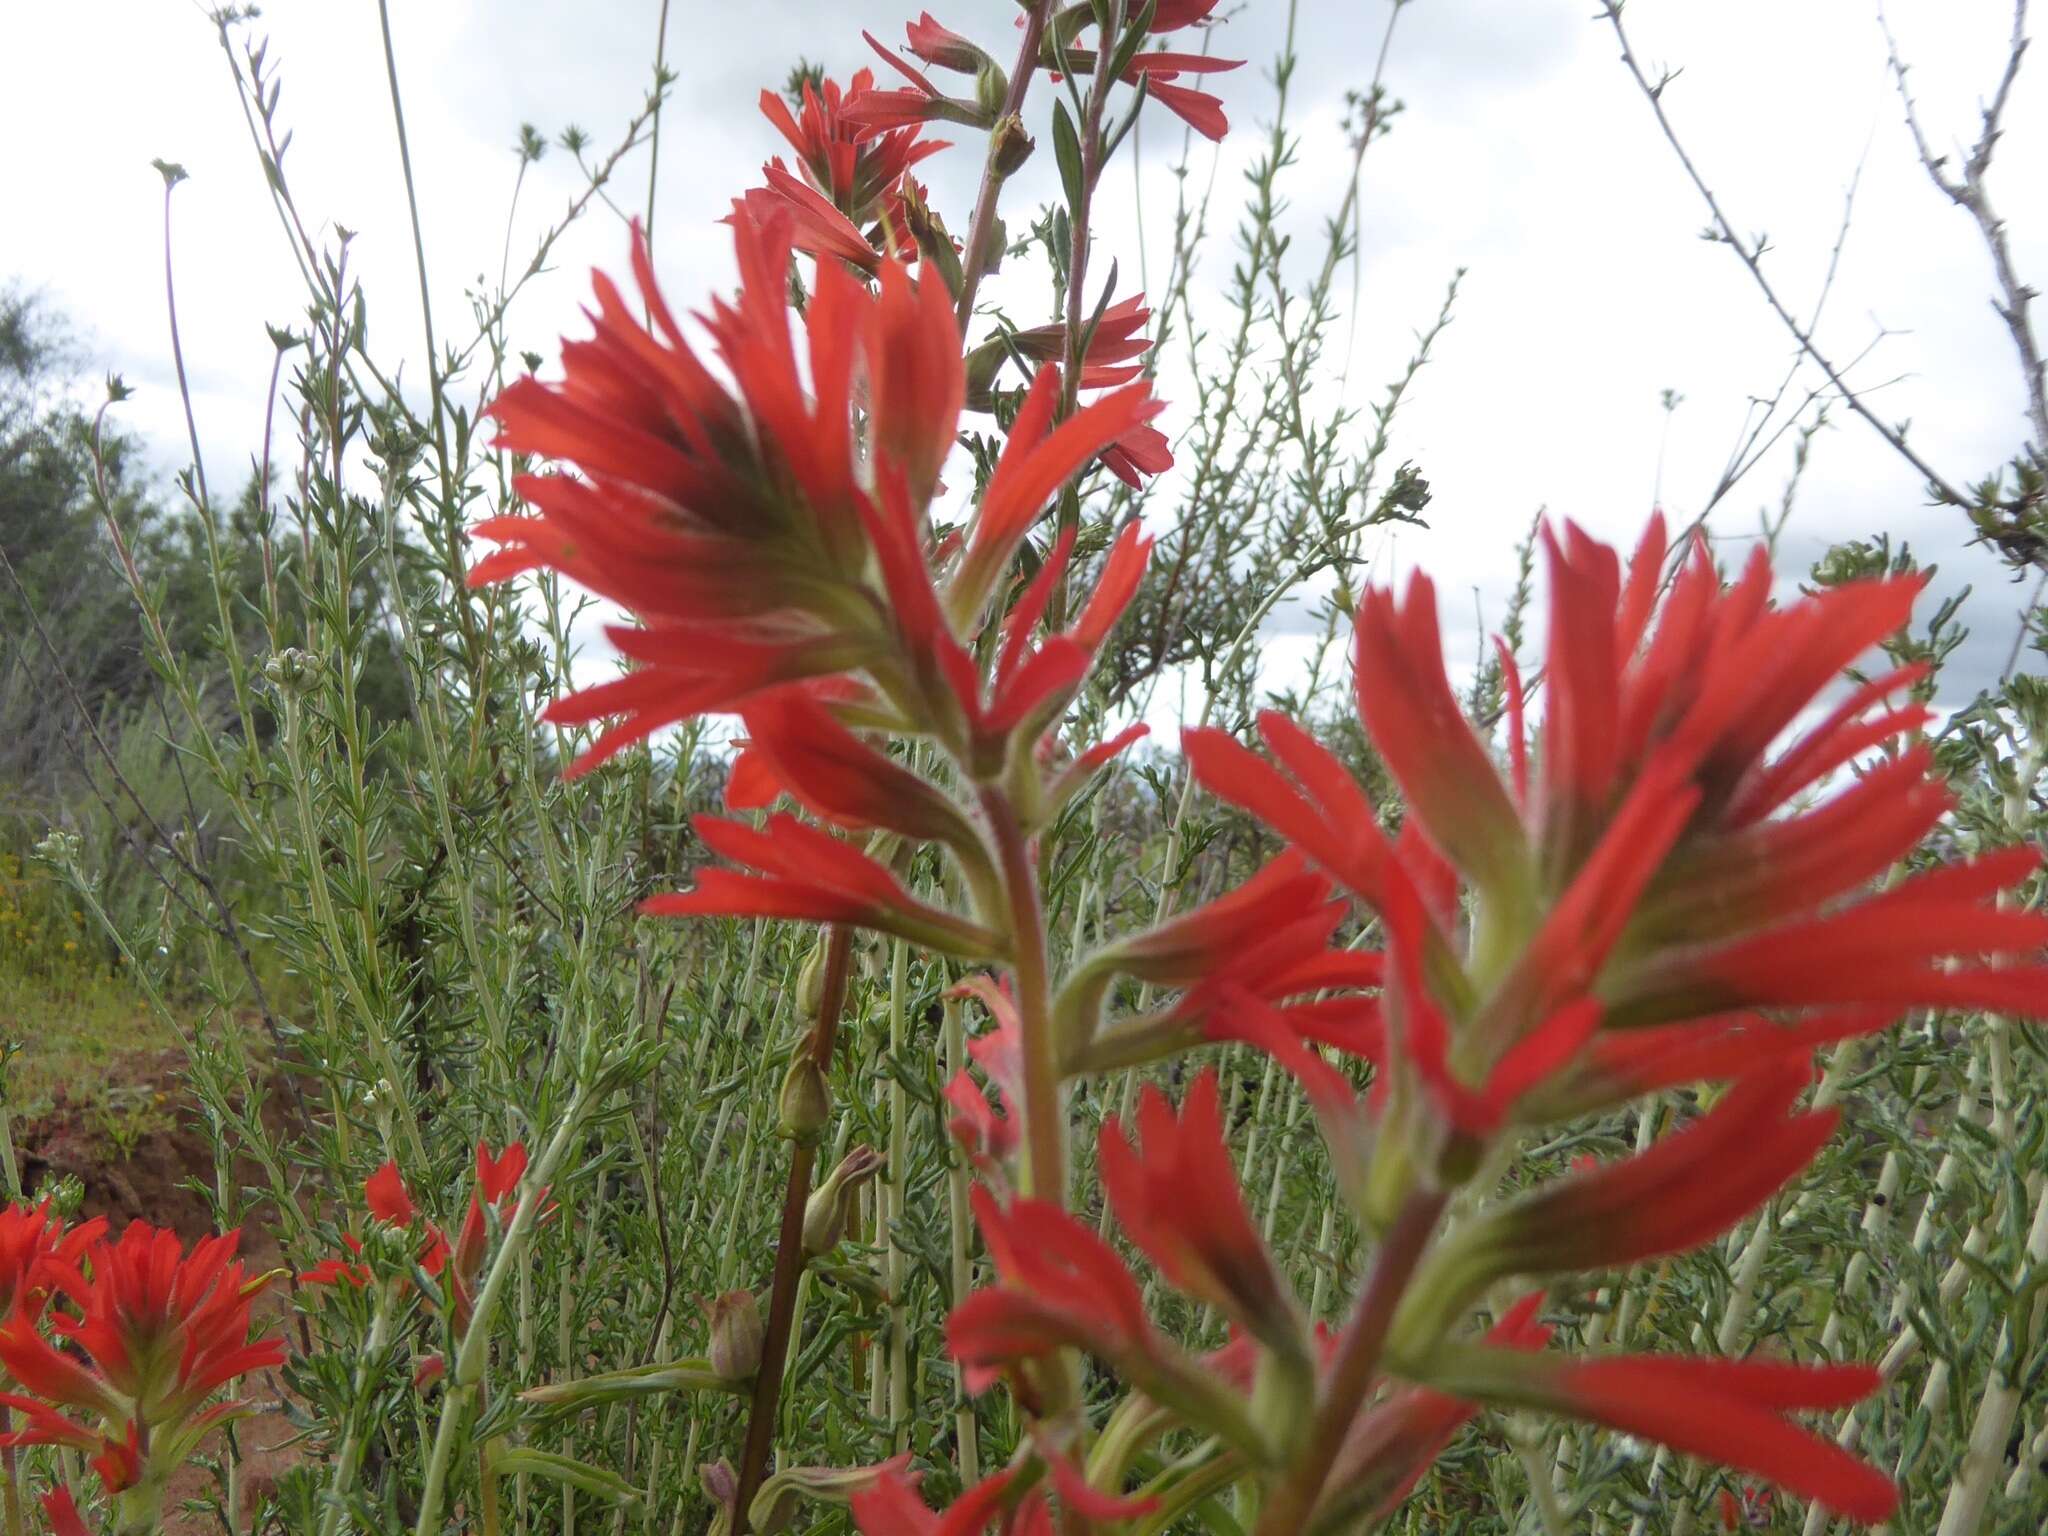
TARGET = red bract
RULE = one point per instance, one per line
(858, 169)
(834, 774)
(1176, 1194)
(1731, 1411)
(815, 227)
(1119, 338)
(62, 1513)
(1063, 1286)
(34, 1247)
(497, 1184)
(809, 874)
(339, 1271)
(936, 45)
(1135, 454)
(385, 1194)
(1645, 874)
(1256, 965)
(892, 1508)
(1392, 1444)
(988, 1136)
(156, 1333)
(1037, 460)
(1685, 1190)
(1171, 15)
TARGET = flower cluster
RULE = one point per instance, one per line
(1663, 903)
(1646, 892)
(118, 1347)
(445, 1273)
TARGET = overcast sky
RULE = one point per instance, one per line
(1525, 155)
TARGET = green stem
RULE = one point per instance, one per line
(1044, 1175)
(465, 1375)
(12, 1473)
(1355, 1366)
(349, 1457)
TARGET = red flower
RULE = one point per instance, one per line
(856, 168)
(733, 527)
(1646, 874)
(156, 1333)
(339, 1271)
(1178, 1200)
(33, 1249)
(62, 1513)
(1730, 1411)
(385, 1194)
(761, 541)
(809, 874)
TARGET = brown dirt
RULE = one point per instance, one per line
(144, 1171)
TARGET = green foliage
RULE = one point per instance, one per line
(324, 839)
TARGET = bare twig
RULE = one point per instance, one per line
(1968, 192)
(1751, 256)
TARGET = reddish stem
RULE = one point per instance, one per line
(1355, 1367)
(981, 227)
(789, 1245)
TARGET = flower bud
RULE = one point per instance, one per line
(736, 1334)
(720, 1483)
(1010, 146)
(58, 848)
(805, 1105)
(830, 1208)
(810, 983)
(991, 85)
(291, 669)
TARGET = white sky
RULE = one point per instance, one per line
(1525, 155)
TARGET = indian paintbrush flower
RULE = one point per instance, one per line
(151, 1333)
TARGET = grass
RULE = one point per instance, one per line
(77, 1038)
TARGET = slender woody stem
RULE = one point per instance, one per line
(1355, 1366)
(789, 1245)
(981, 229)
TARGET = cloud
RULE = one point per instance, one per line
(1523, 154)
